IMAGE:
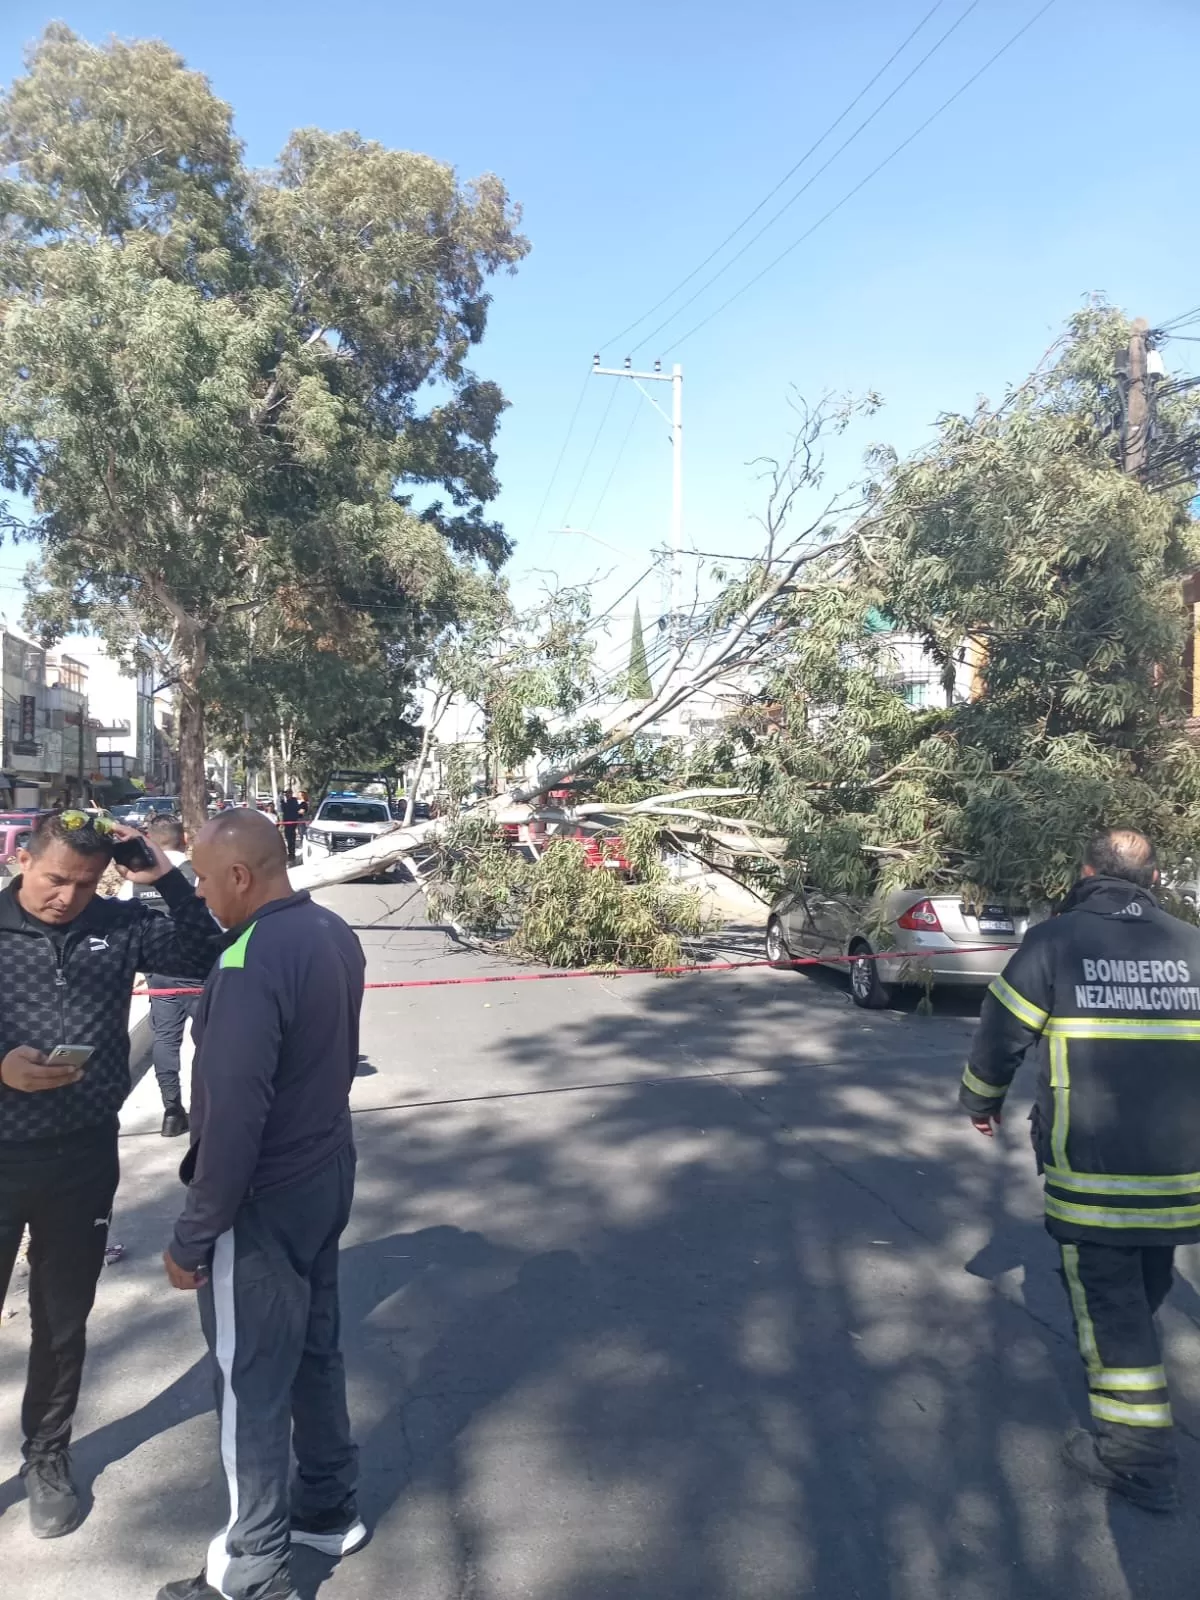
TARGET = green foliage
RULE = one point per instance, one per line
(562, 911)
(520, 669)
(212, 380)
(479, 880)
(1014, 542)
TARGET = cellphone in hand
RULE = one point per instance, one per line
(71, 1055)
(135, 854)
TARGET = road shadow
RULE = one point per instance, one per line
(697, 1336)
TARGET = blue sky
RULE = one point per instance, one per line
(638, 133)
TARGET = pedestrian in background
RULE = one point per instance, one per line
(1108, 994)
(290, 811)
(169, 1013)
(270, 1177)
(68, 963)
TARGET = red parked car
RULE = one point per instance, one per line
(600, 853)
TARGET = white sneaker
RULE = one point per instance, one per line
(334, 1533)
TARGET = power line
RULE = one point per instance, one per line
(541, 511)
(807, 185)
(587, 460)
(788, 175)
(874, 173)
(1180, 321)
(633, 416)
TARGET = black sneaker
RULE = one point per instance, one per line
(200, 1589)
(334, 1533)
(175, 1121)
(1079, 1451)
(190, 1589)
(53, 1500)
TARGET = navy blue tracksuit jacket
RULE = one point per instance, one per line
(276, 1050)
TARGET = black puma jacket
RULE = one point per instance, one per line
(1107, 994)
(77, 992)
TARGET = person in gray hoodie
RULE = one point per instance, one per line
(270, 1180)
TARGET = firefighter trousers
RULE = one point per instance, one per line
(1115, 1291)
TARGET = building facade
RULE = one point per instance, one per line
(48, 749)
(137, 727)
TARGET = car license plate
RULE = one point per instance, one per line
(995, 919)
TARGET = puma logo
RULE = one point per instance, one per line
(95, 943)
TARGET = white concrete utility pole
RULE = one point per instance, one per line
(675, 379)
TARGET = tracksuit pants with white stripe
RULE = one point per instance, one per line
(270, 1316)
(1115, 1291)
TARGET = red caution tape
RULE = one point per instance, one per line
(652, 972)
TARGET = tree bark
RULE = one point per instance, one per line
(436, 712)
(193, 799)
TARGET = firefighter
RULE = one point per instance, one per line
(1108, 993)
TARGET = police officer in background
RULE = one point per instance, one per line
(1108, 993)
(169, 1013)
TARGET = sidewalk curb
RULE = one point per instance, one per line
(139, 1037)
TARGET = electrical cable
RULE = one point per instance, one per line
(537, 521)
(616, 463)
(806, 186)
(1180, 321)
(587, 461)
(874, 173)
(788, 175)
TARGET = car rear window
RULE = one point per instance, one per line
(352, 811)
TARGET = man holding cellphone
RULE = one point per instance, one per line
(68, 963)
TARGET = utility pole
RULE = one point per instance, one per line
(675, 379)
(1136, 437)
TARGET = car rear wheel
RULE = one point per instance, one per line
(865, 987)
(777, 951)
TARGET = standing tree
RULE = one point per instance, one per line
(209, 377)
(640, 685)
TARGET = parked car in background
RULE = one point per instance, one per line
(140, 812)
(601, 851)
(342, 821)
(15, 828)
(910, 936)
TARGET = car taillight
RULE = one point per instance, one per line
(922, 918)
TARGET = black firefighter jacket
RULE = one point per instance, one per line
(1108, 993)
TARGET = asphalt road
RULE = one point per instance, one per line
(691, 1289)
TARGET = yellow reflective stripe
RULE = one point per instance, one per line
(1128, 1378)
(1133, 1416)
(989, 1091)
(1084, 1330)
(1149, 1217)
(1125, 1182)
(1024, 1010)
(1060, 1083)
(1121, 1028)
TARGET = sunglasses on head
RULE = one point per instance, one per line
(132, 853)
(75, 820)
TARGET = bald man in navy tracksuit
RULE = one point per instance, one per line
(270, 1177)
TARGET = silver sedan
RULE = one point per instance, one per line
(912, 936)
